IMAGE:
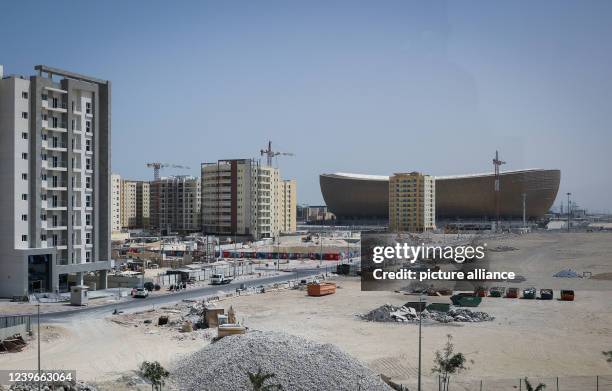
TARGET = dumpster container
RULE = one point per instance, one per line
(321, 289)
(497, 291)
(512, 293)
(529, 293)
(546, 294)
(466, 300)
(439, 307)
(567, 295)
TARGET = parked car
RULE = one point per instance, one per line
(141, 292)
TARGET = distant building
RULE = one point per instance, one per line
(143, 207)
(412, 198)
(314, 214)
(287, 204)
(115, 203)
(128, 204)
(175, 204)
(55, 207)
(243, 197)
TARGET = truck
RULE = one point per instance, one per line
(219, 279)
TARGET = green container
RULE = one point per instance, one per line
(439, 307)
(466, 300)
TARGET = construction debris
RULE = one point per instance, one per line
(297, 364)
(390, 313)
(14, 344)
(567, 273)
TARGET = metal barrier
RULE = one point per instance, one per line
(12, 321)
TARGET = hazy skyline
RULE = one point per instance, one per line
(370, 88)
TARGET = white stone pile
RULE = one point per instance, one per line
(298, 364)
(390, 313)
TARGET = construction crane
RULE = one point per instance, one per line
(158, 166)
(270, 154)
(496, 164)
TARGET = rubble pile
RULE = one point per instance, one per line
(297, 363)
(390, 313)
(567, 273)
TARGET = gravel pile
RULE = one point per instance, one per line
(66, 386)
(390, 313)
(298, 364)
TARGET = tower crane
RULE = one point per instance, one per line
(157, 166)
(270, 154)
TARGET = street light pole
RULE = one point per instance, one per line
(38, 316)
(420, 322)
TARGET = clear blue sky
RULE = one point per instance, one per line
(369, 87)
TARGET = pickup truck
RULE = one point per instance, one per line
(219, 279)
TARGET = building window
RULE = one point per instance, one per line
(24, 238)
(88, 145)
(88, 126)
(88, 201)
(24, 176)
(87, 256)
(24, 217)
(45, 117)
(88, 107)
(87, 219)
(24, 197)
(24, 95)
(88, 238)
(24, 156)
(24, 115)
(43, 237)
(55, 122)
(24, 135)
(44, 97)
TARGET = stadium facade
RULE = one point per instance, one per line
(463, 197)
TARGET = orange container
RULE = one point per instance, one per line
(567, 295)
(321, 289)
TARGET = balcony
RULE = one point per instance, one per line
(58, 205)
(61, 127)
(56, 186)
(59, 107)
(55, 146)
(59, 226)
(58, 165)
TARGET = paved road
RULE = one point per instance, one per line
(193, 293)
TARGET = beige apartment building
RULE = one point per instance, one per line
(243, 197)
(412, 199)
(287, 205)
(175, 204)
(115, 203)
(129, 204)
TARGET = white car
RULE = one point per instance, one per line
(141, 292)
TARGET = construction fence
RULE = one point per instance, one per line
(11, 325)
(567, 383)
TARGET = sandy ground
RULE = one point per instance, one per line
(527, 338)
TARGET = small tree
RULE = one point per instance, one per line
(529, 387)
(155, 373)
(259, 379)
(608, 355)
(448, 363)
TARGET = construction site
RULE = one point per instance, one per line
(321, 331)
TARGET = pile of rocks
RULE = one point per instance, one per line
(297, 364)
(66, 386)
(390, 313)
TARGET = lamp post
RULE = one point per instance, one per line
(569, 209)
(420, 322)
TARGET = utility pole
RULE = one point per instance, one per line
(569, 210)
(321, 252)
